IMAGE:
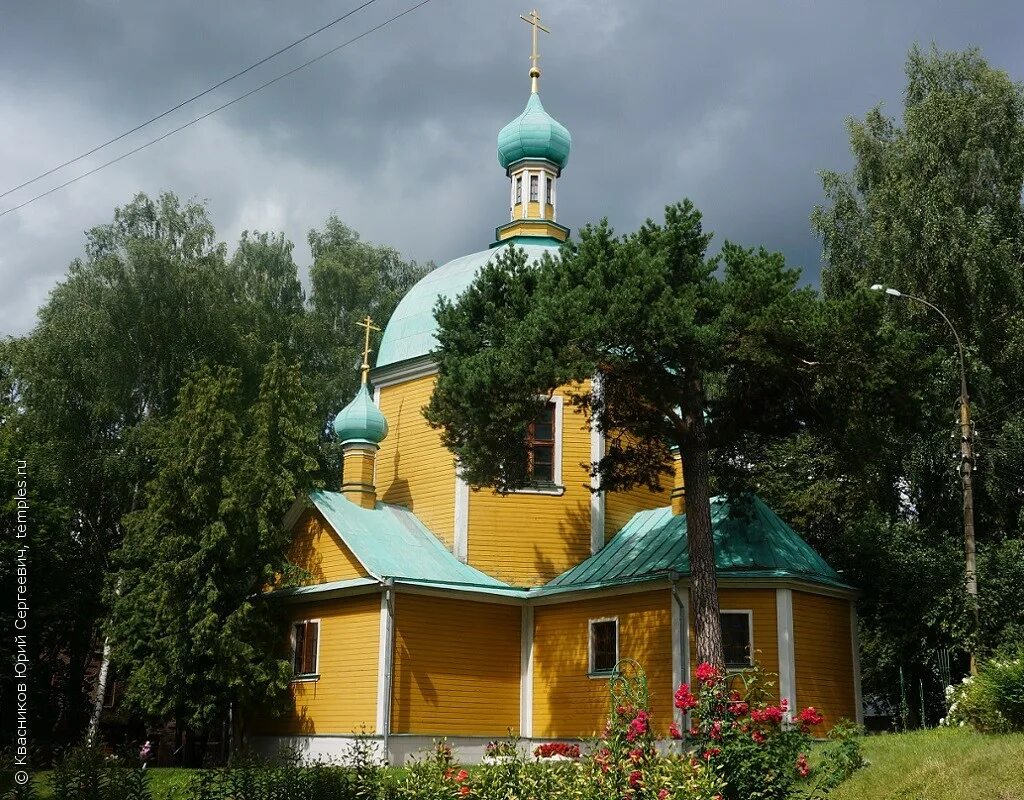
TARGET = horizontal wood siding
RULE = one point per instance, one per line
(456, 667)
(824, 656)
(619, 507)
(317, 549)
(528, 539)
(344, 699)
(413, 468)
(566, 701)
(766, 632)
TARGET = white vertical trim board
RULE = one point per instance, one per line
(858, 698)
(559, 401)
(677, 647)
(596, 498)
(460, 541)
(787, 652)
(526, 673)
(384, 664)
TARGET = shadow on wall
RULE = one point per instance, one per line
(571, 703)
(304, 553)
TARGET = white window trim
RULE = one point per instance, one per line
(312, 676)
(750, 634)
(591, 672)
(558, 489)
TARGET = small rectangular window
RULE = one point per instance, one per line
(737, 638)
(519, 189)
(540, 443)
(305, 640)
(548, 191)
(534, 188)
(604, 645)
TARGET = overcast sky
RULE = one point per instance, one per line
(736, 105)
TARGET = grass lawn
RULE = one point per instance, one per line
(940, 764)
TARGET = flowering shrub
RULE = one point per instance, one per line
(992, 702)
(557, 749)
(758, 747)
(501, 748)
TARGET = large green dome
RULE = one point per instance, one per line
(361, 420)
(534, 134)
(410, 333)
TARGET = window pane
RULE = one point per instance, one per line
(736, 638)
(534, 183)
(300, 647)
(547, 192)
(603, 645)
(312, 635)
(519, 189)
(543, 432)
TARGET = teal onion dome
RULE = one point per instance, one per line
(361, 420)
(534, 134)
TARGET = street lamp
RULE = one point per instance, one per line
(966, 459)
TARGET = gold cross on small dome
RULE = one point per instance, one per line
(534, 21)
(366, 323)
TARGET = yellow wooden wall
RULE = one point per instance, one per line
(413, 468)
(569, 703)
(824, 656)
(344, 699)
(619, 507)
(456, 667)
(766, 632)
(318, 550)
(528, 539)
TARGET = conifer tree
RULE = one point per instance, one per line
(662, 351)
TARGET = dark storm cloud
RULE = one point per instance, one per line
(734, 104)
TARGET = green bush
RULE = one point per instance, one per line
(251, 779)
(992, 701)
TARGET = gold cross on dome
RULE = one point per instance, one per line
(368, 325)
(534, 22)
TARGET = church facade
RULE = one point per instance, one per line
(432, 610)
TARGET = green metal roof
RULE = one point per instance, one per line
(534, 134)
(410, 332)
(361, 420)
(390, 542)
(751, 541)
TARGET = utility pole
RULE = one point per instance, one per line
(966, 470)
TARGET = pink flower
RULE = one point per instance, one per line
(711, 752)
(808, 718)
(461, 776)
(464, 790)
(636, 755)
(803, 769)
(716, 729)
(738, 708)
(706, 673)
(758, 737)
(674, 732)
(662, 794)
(684, 699)
(635, 779)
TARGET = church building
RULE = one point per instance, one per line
(432, 610)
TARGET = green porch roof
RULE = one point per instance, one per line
(390, 542)
(751, 541)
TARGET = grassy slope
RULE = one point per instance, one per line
(941, 764)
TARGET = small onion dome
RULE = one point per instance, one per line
(361, 420)
(534, 134)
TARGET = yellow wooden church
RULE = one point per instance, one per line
(435, 611)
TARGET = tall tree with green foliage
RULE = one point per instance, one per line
(191, 626)
(678, 356)
(932, 207)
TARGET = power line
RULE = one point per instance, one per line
(191, 99)
(192, 122)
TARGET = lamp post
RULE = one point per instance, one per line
(966, 460)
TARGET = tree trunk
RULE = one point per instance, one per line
(703, 578)
(100, 693)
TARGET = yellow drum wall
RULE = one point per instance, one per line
(569, 703)
(528, 539)
(456, 667)
(413, 468)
